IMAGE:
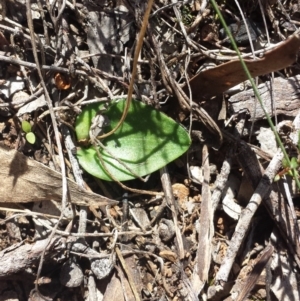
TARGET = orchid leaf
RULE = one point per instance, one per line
(147, 140)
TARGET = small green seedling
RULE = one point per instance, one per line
(30, 136)
(290, 168)
(287, 169)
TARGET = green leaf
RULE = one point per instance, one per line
(294, 163)
(146, 141)
(30, 137)
(285, 163)
(84, 121)
(26, 127)
(277, 178)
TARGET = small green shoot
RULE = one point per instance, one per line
(294, 163)
(288, 167)
(30, 136)
(26, 126)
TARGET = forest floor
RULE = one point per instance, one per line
(209, 222)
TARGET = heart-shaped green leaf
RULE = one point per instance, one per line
(147, 140)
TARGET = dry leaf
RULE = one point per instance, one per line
(181, 191)
(169, 255)
(24, 180)
(219, 79)
(62, 81)
(115, 290)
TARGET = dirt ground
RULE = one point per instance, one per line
(189, 197)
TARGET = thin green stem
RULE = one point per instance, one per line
(256, 92)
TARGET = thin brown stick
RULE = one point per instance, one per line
(166, 183)
(134, 68)
(128, 274)
(55, 127)
(121, 184)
